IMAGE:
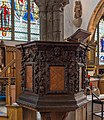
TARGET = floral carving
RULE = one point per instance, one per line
(53, 55)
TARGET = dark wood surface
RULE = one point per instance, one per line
(18, 73)
(50, 91)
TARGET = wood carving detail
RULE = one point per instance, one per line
(22, 69)
(47, 56)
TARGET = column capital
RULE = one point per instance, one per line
(46, 3)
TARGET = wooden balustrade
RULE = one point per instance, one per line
(8, 66)
(8, 80)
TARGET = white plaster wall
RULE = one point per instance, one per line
(88, 6)
(68, 17)
(87, 10)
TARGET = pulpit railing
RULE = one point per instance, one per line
(97, 100)
(6, 79)
(8, 67)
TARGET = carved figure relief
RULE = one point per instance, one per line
(77, 14)
(78, 9)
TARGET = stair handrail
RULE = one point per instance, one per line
(6, 68)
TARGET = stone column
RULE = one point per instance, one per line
(51, 19)
(58, 23)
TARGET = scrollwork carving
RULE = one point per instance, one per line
(57, 51)
(53, 55)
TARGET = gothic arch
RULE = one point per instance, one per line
(97, 14)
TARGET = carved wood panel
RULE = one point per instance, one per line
(45, 55)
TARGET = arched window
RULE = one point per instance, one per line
(16, 22)
(99, 38)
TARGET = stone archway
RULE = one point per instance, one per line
(98, 12)
(96, 15)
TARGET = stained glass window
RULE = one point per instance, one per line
(101, 42)
(21, 26)
(99, 37)
(5, 19)
(21, 20)
(34, 20)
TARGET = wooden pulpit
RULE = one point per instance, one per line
(53, 74)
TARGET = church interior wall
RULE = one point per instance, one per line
(87, 11)
(68, 17)
(88, 7)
